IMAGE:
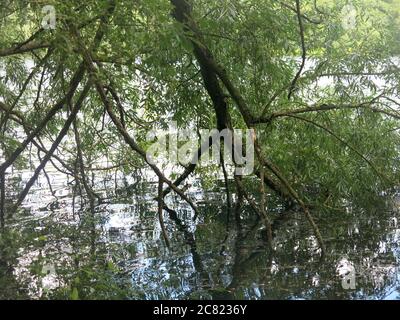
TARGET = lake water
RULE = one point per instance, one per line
(55, 248)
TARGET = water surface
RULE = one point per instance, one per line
(56, 248)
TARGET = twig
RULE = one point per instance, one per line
(303, 48)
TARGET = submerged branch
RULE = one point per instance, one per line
(160, 202)
(260, 212)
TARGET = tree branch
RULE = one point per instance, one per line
(28, 47)
(324, 107)
(303, 49)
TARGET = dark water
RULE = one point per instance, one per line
(55, 248)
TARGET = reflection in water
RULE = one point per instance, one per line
(57, 247)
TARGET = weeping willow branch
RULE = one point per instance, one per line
(303, 50)
(326, 107)
(271, 100)
(61, 135)
(76, 79)
(24, 86)
(190, 168)
(107, 104)
(24, 48)
(270, 166)
(182, 13)
(47, 176)
(379, 173)
(135, 147)
(20, 119)
(15, 115)
(295, 10)
(210, 73)
(74, 83)
(118, 104)
(40, 146)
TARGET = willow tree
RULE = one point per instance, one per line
(318, 82)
